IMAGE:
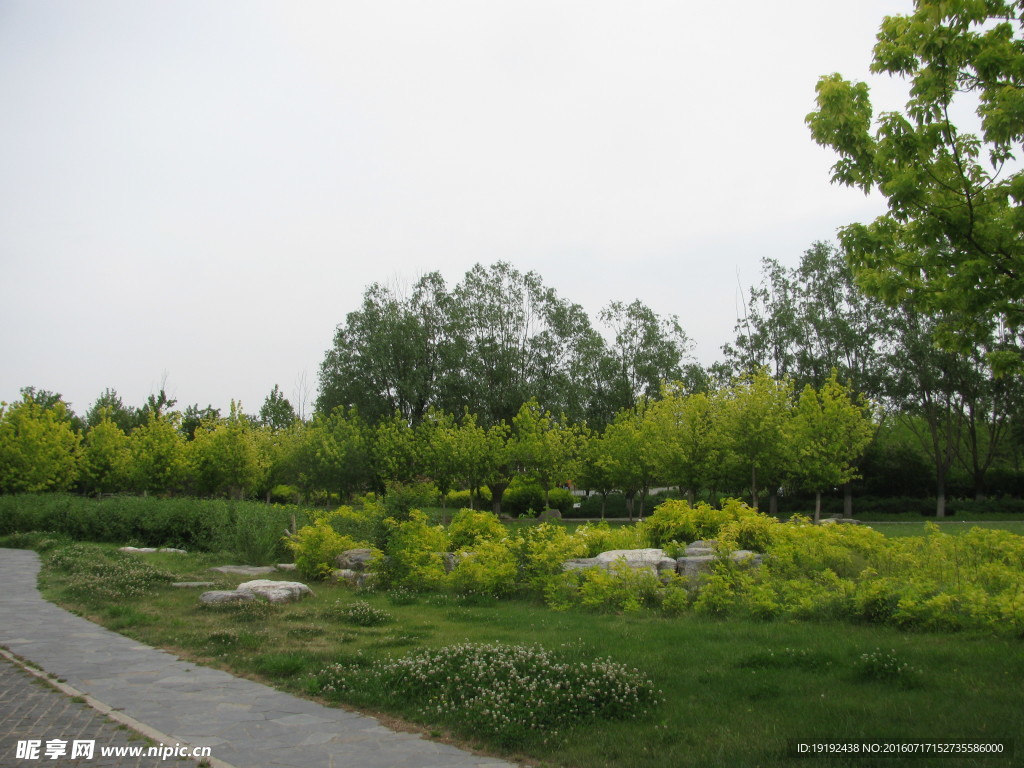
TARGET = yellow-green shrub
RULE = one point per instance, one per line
(601, 537)
(315, 546)
(415, 552)
(542, 549)
(620, 588)
(471, 526)
(489, 569)
(676, 521)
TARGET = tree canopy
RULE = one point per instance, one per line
(952, 241)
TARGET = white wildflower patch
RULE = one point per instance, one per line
(505, 692)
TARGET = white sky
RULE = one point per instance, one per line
(202, 190)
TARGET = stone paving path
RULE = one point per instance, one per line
(32, 710)
(246, 724)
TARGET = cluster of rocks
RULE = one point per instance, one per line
(147, 550)
(353, 567)
(698, 559)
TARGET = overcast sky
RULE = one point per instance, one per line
(200, 191)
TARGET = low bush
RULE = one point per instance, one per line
(316, 546)
(469, 527)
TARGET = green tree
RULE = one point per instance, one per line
(396, 353)
(276, 412)
(757, 430)
(685, 438)
(109, 406)
(831, 430)
(630, 455)
(547, 448)
(160, 462)
(644, 351)
(437, 437)
(952, 242)
(768, 334)
(39, 450)
(927, 390)
(335, 453)
(195, 417)
(396, 451)
(597, 471)
(106, 457)
(521, 340)
(227, 456)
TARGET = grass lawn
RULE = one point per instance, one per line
(737, 693)
(948, 526)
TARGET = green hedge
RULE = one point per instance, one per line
(251, 529)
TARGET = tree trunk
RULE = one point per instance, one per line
(753, 486)
(773, 502)
(691, 496)
(497, 491)
(629, 504)
(847, 500)
(940, 495)
(817, 506)
(604, 501)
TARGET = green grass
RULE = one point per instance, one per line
(948, 526)
(736, 692)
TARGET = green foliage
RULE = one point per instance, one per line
(365, 522)
(276, 412)
(600, 537)
(106, 458)
(401, 498)
(227, 458)
(950, 242)
(675, 520)
(315, 546)
(468, 527)
(39, 451)
(504, 692)
(486, 567)
(546, 448)
(620, 588)
(415, 554)
(159, 460)
(542, 549)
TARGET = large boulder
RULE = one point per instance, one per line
(354, 559)
(147, 550)
(692, 567)
(653, 560)
(637, 559)
(225, 597)
(276, 591)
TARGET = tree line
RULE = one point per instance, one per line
(821, 384)
(758, 433)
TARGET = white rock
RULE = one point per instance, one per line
(634, 558)
(225, 597)
(276, 591)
